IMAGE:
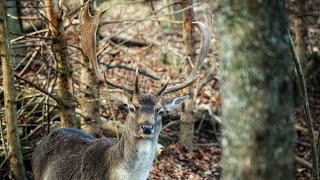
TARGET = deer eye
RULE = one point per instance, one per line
(131, 109)
(160, 111)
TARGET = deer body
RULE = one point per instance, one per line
(72, 151)
(73, 154)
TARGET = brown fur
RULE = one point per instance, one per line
(73, 154)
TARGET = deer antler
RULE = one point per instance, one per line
(205, 30)
(88, 30)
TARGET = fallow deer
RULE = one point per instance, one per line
(72, 154)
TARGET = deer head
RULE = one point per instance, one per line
(145, 109)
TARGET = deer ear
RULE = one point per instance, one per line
(172, 105)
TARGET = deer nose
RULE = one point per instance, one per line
(147, 127)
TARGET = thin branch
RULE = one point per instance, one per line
(149, 17)
(3, 139)
(306, 106)
(112, 113)
(303, 162)
(55, 98)
(29, 35)
(142, 72)
(166, 6)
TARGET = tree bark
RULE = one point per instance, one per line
(14, 25)
(256, 90)
(89, 104)
(67, 109)
(187, 117)
(89, 95)
(15, 156)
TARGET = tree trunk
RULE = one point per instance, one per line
(67, 111)
(89, 89)
(14, 26)
(187, 117)
(256, 90)
(89, 104)
(15, 155)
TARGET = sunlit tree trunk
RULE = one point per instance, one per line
(257, 108)
(187, 117)
(59, 48)
(15, 156)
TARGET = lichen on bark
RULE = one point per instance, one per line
(256, 90)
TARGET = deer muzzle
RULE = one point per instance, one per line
(147, 127)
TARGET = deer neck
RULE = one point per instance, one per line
(136, 156)
(136, 149)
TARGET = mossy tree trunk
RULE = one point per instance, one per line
(15, 156)
(187, 117)
(59, 48)
(257, 108)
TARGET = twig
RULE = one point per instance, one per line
(112, 113)
(303, 162)
(3, 139)
(209, 144)
(166, 6)
(25, 68)
(29, 35)
(142, 72)
(301, 143)
(169, 124)
(200, 125)
(56, 98)
(306, 106)
(3, 162)
(150, 17)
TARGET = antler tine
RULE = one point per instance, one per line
(136, 84)
(205, 30)
(115, 85)
(88, 30)
(164, 87)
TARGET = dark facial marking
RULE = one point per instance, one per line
(147, 104)
(147, 101)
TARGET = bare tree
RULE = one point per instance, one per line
(187, 117)
(67, 109)
(256, 90)
(15, 155)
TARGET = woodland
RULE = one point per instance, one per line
(253, 112)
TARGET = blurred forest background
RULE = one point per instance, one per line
(55, 88)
